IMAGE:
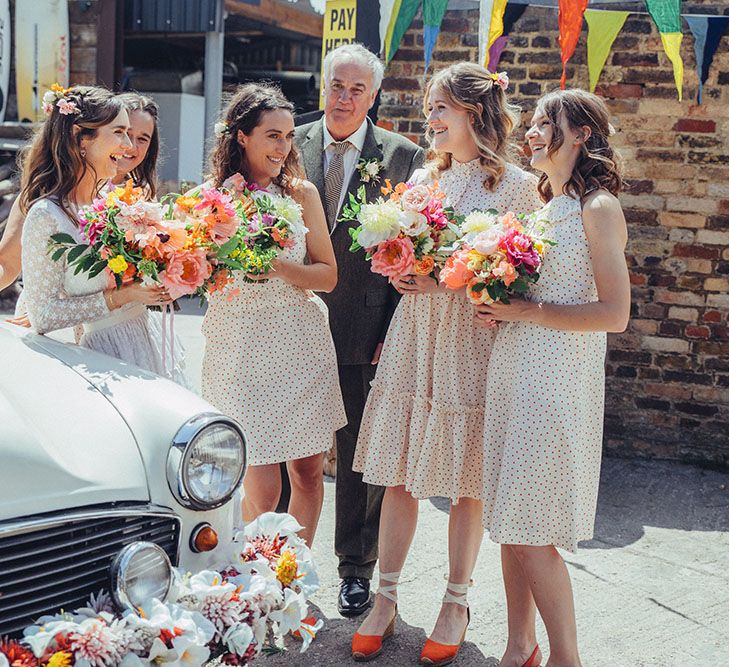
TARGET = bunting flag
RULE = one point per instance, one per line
(602, 29)
(512, 14)
(707, 32)
(402, 16)
(490, 26)
(570, 27)
(387, 8)
(667, 16)
(433, 11)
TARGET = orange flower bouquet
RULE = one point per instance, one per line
(407, 230)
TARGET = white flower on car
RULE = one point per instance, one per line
(293, 612)
(238, 638)
(380, 222)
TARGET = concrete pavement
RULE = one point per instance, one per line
(652, 587)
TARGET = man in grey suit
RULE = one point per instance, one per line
(362, 304)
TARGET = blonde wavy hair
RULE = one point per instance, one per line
(471, 87)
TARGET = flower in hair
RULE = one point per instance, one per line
(221, 128)
(57, 96)
(501, 79)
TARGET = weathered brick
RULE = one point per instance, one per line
(667, 390)
(665, 344)
(716, 284)
(697, 332)
(673, 219)
(711, 316)
(694, 125)
(685, 314)
(714, 238)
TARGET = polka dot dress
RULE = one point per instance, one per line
(544, 399)
(270, 363)
(423, 422)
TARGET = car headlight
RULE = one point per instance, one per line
(141, 571)
(206, 462)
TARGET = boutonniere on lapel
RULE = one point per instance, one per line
(369, 170)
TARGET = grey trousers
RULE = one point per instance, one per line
(357, 505)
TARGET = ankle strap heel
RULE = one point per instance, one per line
(459, 590)
(389, 591)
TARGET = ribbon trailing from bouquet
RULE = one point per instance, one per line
(166, 308)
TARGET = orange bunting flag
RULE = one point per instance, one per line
(570, 27)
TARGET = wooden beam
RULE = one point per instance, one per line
(286, 17)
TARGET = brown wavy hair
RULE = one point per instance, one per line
(52, 165)
(244, 112)
(466, 86)
(145, 175)
(597, 166)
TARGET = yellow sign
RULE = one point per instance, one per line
(340, 23)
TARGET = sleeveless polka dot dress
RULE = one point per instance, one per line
(544, 406)
(423, 421)
(270, 363)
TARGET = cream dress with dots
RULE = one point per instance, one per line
(270, 363)
(423, 421)
(545, 400)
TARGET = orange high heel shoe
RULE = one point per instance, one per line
(368, 647)
(435, 654)
(535, 659)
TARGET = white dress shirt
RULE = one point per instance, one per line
(351, 156)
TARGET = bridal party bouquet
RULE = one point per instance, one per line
(183, 247)
(225, 616)
(498, 256)
(271, 222)
(407, 230)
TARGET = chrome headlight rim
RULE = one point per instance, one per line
(180, 450)
(119, 587)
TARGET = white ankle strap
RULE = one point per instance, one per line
(389, 590)
(459, 589)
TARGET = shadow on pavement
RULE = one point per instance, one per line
(664, 494)
(332, 647)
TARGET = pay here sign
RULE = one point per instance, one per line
(340, 21)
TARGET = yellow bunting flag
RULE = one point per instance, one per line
(672, 47)
(490, 26)
(602, 29)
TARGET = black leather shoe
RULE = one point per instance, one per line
(354, 596)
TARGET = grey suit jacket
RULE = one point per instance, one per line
(362, 304)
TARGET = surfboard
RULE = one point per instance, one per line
(4, 55)
(41, 52)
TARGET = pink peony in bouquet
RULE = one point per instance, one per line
(499, 256)
(407, 230)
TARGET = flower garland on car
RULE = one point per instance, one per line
(228, 615)
(407, 230)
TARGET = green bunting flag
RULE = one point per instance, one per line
(602, 29)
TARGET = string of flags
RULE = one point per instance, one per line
(497, 18)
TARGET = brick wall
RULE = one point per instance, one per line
(83, 20)
(668, 374)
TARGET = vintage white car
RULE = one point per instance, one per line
(107, 475)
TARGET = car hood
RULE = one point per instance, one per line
(63, 443)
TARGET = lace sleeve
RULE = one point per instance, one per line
(49, 307)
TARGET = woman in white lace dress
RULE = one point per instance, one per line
(269, 356)
(138, 162)
(546, 376)
(76, 150)
(422, 430)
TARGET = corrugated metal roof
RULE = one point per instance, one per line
(173, 15)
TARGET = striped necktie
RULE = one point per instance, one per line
(333, 181)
